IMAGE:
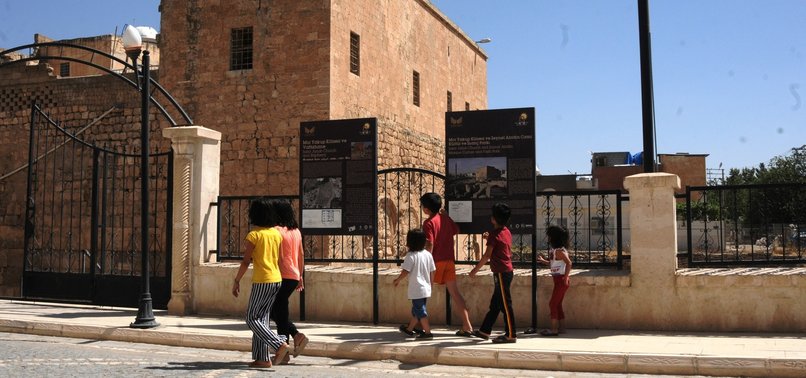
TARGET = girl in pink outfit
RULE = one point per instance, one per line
(292, 265)
(560, 264)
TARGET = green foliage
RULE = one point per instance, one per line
(768, 205)
(781, 170)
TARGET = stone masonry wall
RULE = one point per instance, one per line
(397, 38)
(258, 110)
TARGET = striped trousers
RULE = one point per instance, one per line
(257, 319)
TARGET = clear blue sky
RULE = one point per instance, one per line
(730, 75)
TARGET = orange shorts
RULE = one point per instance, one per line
(446, 272)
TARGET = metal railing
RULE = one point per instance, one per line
(746, 225)
(233, 223)
(593, 220)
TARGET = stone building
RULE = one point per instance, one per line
(108, 43)
(255, 70)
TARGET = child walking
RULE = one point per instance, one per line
(560, 265)
(292, 265)
(418, 265)
(439, 231)
(262, 249)
(499, 254)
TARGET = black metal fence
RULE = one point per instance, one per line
(593, 220)
(745, 225)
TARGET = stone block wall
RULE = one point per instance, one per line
(258, 110)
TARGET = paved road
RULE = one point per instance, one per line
(42, 356)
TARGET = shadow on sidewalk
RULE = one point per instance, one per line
(204, 365)
(90, 314)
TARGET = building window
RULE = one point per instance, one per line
(450, 101)
(467, 106)
(355, 54)
(64, 69)
(415, 79)
(601, 161)
(240, 49)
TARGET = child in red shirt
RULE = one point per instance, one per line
(499, 254)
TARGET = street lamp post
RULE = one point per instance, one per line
(132, 43)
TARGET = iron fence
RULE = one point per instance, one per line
(594, 223)
(745, 225)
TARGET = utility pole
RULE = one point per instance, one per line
(647, 96)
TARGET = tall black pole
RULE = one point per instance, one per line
(145, 313)
(647, 97)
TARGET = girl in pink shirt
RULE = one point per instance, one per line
(292, 265)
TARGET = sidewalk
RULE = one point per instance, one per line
(603, 351)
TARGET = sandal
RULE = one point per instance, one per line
(280, 354)
(464, 333)
(548, 332)
(504, 340)
(260, 364)
(299, 346)
(480, 335)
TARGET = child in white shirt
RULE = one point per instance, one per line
(419, 266)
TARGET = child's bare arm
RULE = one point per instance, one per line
(484, 259)
(247, 258)
(403, 274)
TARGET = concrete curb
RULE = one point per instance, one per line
(618, 363)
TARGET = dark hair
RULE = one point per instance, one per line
(415, 239)
(431, 201)
(558, 236)
(501, 213)
(261, 213)
(285, 214)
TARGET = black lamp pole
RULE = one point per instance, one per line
(145, 312)
(647, 97)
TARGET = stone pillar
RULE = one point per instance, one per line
(653, 230)
(197, 155)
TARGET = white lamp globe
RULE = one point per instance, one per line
(131, 38)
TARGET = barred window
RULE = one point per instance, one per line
(416, 88)
(240, 49)
(355, 54)
(450, 101)
(64, 69)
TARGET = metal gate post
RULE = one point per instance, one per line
(29, 200)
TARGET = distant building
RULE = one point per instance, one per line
(610, 168)
(488, 173)
(564, 183)
(110, 44)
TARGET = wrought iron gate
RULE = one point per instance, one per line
(82, 229)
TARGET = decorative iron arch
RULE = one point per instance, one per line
(134, 84)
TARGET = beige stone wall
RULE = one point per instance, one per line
(716, 300)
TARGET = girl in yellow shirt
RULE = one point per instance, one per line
(262, 249)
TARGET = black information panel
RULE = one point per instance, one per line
(490, 157)
(338, 176)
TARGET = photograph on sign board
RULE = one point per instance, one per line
(322, 193)
(477, 178)
(361, 150)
